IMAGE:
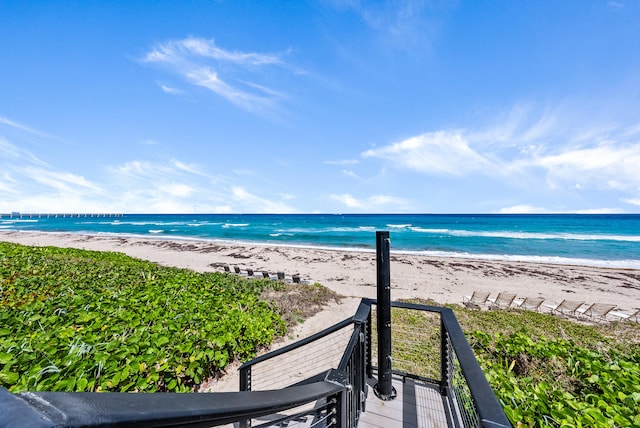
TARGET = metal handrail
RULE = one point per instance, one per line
(346, 383)
(74, 409)
(455, 345)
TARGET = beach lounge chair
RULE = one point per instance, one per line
(530, 303)
(597, 311)
(238, 271)
(267, 275)
(503, 300)
(476, 299)
(634, 316)
(566, 307)
(227, 269)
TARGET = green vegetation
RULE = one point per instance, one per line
(75, 320)
(551, 372)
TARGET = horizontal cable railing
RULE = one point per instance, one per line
(429, 345)
(280, 388)
(298, 361)
(341, 346)
(317, 381)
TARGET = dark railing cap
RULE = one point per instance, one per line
(87, 409)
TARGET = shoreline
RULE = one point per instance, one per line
(353, 273)
(620, 264)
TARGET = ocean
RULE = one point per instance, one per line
(595, 240)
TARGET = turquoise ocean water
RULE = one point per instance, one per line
(598, 240)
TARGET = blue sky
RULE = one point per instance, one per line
(320, 106)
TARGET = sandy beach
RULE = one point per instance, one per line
(353, 274)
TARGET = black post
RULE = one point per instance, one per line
(384, 389)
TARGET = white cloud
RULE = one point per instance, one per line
(258, 204)
(25, 128)
(599, 211)
(169, 89)
(63, 181)
(404, 25)
(522, 209)
(342, 162)
(530, 209)
(632, 201)
(604, 165)
(557, 151)
(178, 189)
(30, 185)
(371, 203)
(201, 62)
(438, 153)
(347, 200)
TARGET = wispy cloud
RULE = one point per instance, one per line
(62, 181)
(342, 162)
(522, 209)
(551, 149)
(28, 184)
(349, 173)
(372, 203)
(260, 204)
(442, 152)
(233, 75)
(169, 89)
(404, 24)
(530, 209)
(25, 128)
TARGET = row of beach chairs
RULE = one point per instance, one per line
(576, 308)
(278, 276)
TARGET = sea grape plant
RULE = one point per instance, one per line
(77, 320)
(556, 383)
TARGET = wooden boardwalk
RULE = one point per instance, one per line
(417, 404)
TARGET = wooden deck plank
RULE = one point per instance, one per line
(417, 404)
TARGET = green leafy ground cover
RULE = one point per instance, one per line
(551, 372)
(75, 320)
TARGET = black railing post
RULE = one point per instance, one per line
(368, 345)
(444, 358)
(384, 388)
(245, 385)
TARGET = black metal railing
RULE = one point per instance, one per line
(331, 395)
(314, 356)
(319, 381)
(88, 409)
(452, 367)
(445, 359)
